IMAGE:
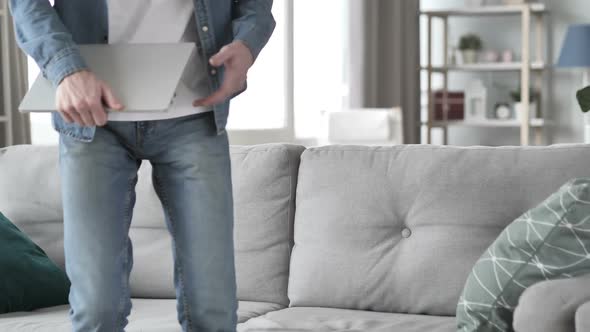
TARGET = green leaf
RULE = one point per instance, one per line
(584, 99)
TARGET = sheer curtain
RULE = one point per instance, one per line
(16, 129)
(385, 59)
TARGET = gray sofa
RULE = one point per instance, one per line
(337, 238)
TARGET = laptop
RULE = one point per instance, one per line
(143, 76)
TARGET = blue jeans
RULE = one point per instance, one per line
(192, 177)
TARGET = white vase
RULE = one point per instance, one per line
(469, 56)
(474, 3)
(519, 111)
(587, 127)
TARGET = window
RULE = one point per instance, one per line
(42, 132)
(263, 105)
(321, 55)
(300, 73)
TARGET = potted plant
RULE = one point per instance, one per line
(518, 106)
(470, 45)
(583, 97)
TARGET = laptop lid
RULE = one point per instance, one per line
(143, 76)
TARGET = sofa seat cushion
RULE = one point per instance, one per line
(147, 315)
(345, 320)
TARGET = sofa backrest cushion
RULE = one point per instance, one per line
(398, 229)
(30, 195)
(264, 180)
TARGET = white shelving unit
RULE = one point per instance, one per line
(502, 10)
(492, 66)
(527, 67)
(534, 123)
(6, 116)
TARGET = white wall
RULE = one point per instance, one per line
(503, 33)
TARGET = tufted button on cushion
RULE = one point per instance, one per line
(406, 233)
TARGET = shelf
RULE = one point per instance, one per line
(535, 123)
(536, 8)
(493, 66)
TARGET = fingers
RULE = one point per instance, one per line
(216, 98)
(79, 98)
(236, 59)
(67, 118)
(232, 83)
(109, 98)
(62, 110)
(71, 112)
(224, 55)
(98, 113)
(84, 111)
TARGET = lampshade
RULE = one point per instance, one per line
(575, 51)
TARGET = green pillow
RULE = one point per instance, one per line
(29, 280)
(551, 241)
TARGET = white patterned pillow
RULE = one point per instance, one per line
(551, 241)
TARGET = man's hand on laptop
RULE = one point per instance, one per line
(81, 98)
(237, 60)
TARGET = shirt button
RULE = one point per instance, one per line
(205, 28)
(213, 71)
(406, 233)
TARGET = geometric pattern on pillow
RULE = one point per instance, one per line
(550, 241)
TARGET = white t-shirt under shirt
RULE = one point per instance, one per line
(160, 21)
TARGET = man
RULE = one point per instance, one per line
(100, 151)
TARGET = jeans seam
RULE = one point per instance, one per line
(179, 264)
(124, 288)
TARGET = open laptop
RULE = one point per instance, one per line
(143, 76)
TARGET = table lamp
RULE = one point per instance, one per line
(575, 53)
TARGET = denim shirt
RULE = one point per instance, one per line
(50, 35)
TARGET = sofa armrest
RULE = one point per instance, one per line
(550, 306)
(583, 318)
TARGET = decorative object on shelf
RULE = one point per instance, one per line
(516, 2)
(476, 99)
(502, 111)
(519, 107)
(474, 3)
(453, 56)
(508, 56)
(470, 45)
(491, 56)
(575, 54)
(583, 97)
(456, 102)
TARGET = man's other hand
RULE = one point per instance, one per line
(81, 98)
(237, 59)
